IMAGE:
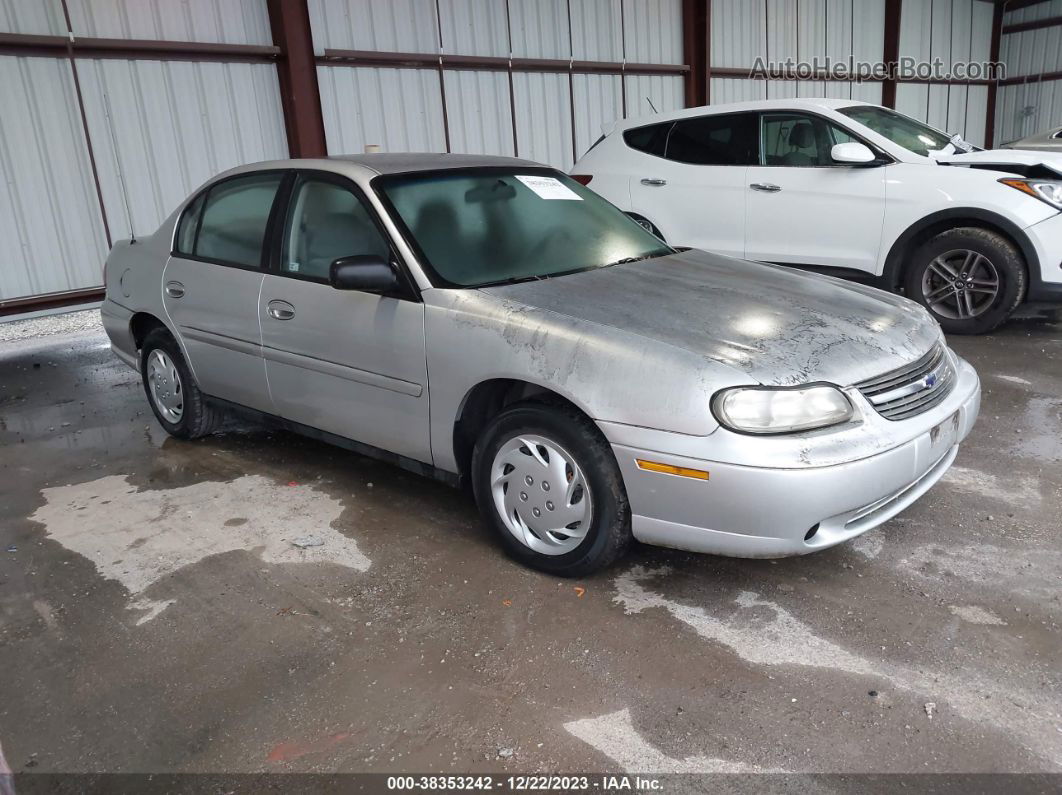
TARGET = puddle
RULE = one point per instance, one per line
(141, 537)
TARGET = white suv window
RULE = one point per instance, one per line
(723, 140)
(800, 140)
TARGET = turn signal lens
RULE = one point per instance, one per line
(781, 410)
(670, 469)
(1047, 191)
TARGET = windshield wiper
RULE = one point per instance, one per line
(512, 280)
(661, 252)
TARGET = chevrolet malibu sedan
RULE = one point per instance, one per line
(492, 322)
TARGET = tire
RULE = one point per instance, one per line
(562, 436)
(179, 406)
(952, 275)
(647, 225)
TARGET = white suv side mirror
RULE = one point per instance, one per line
(852, 152)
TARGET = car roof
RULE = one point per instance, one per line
(389, 163)
(801, 103)
(400, 162)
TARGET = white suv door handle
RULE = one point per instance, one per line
(174, 289)
(280, 310)
(766, 187)
(652, 181)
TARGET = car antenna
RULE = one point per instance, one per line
(651, 105)
(118, 167)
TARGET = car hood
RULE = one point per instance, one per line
(776, 325)
(1005, 157)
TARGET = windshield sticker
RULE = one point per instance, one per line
(550, 188)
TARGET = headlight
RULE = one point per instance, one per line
(1046, 191)
(780, 410)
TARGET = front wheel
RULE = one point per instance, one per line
(969, 279)
(548, 484)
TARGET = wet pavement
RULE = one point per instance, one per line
(257, 601)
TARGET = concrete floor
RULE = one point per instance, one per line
(155, 616)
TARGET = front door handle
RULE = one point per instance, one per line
(280, 310)
(174, 289)
(765, 187)
(654, 181)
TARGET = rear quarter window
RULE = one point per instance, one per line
(652, 140)
(187, 226)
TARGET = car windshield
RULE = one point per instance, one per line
(476, 227)
(902, 130)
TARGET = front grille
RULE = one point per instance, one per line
(913, 388)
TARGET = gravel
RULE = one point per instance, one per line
(16, 330)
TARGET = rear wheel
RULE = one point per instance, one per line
(970, 279)
(179, 406)
(548, 484)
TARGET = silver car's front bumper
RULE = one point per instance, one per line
(765, 511)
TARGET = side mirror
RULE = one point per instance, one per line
(852, 153)
(369, 273)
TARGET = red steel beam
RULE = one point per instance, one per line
(1014, 5)
(1034, 24)
(891, 48)
(33, 303)
(820, 77)
(300, 97)
(419, 60)
(695, 50)
(140, 49)
(993, 55)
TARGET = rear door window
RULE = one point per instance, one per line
(725, 140)
(235, 217)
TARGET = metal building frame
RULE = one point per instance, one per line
(293, 53)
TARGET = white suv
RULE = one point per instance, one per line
(853, 189)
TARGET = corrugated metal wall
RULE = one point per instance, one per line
(38, 17)
(157, 129)
(480, 111)
(775, 30)
(49, 216)
(228, 21)
(952, 30)
(1033, 105)
(161, 128)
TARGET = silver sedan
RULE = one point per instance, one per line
(1050, 141)
(491, 321)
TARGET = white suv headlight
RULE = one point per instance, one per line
(781, 409)
(1047, 191)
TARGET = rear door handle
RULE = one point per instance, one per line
(174, 289)
(765, 187)
(654, 181)
(280, 310)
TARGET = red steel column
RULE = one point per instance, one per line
(300, 97)
(891, 49)
(696, 19)
(990, 106)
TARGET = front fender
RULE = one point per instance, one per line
(611, 375)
